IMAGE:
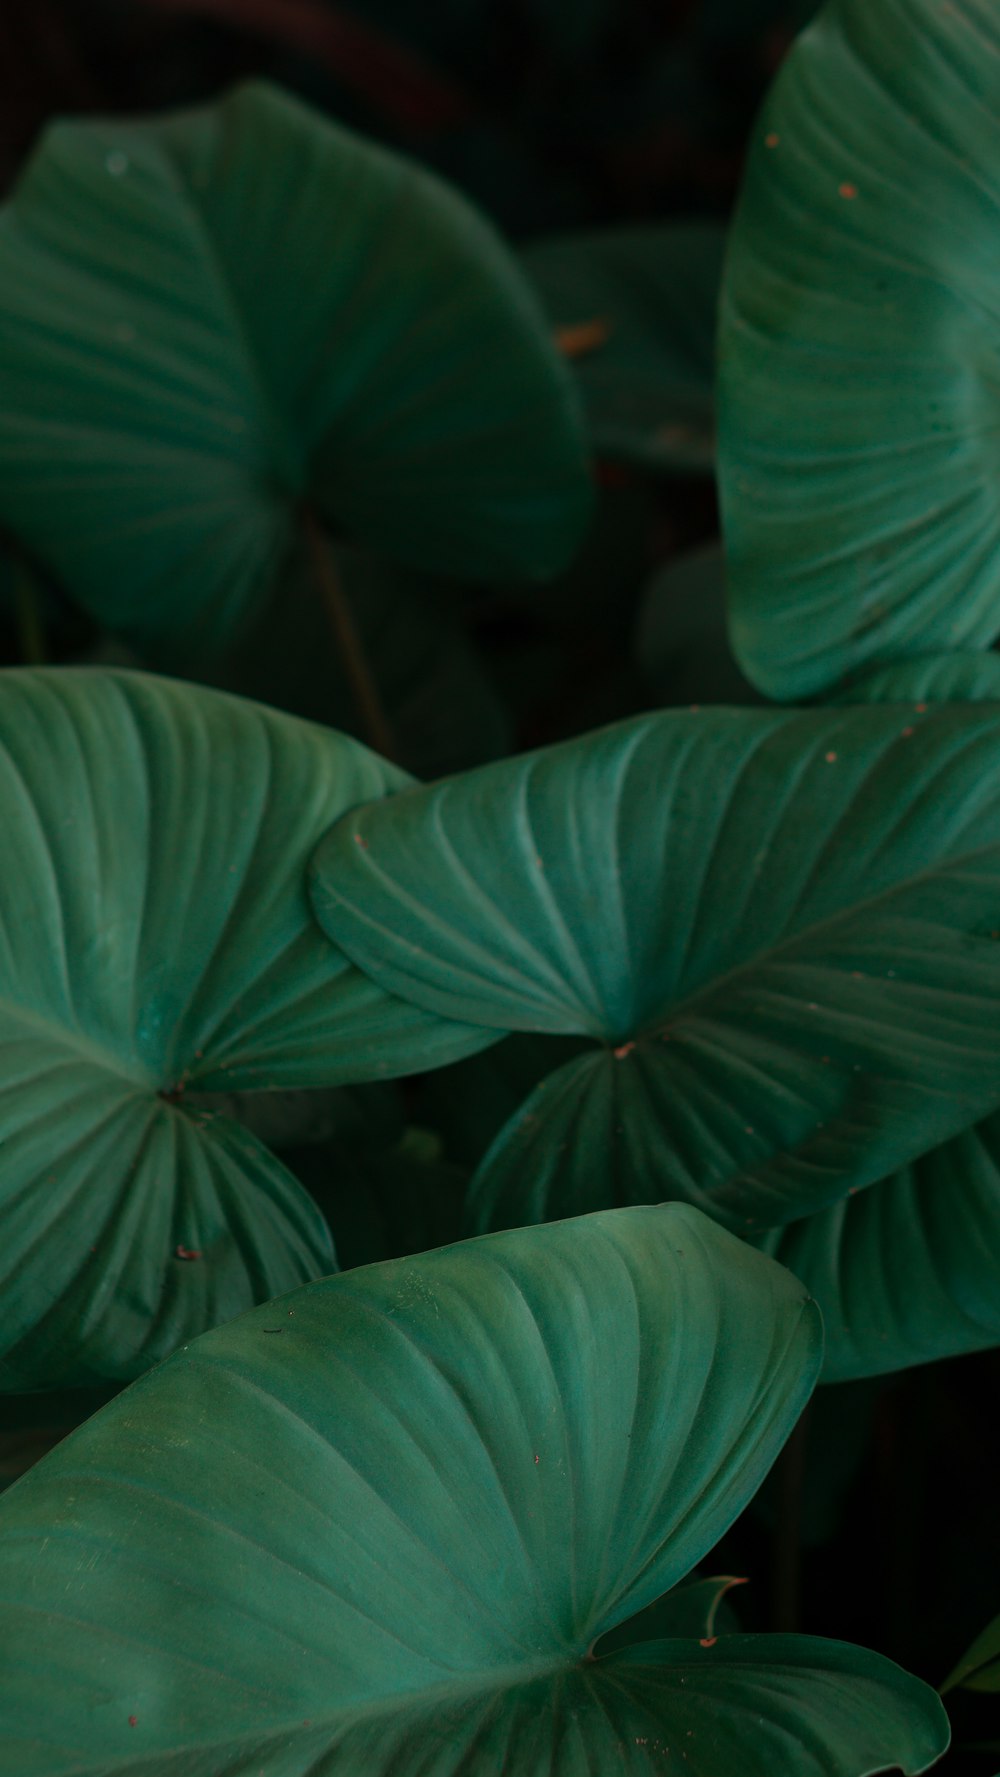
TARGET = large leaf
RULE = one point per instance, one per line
(155, 936)
(384, 1520)
(778, 929)
(213, 318)
(637, 308)
(858, 348)
(907, 1272)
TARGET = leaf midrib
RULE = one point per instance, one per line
(677, 1009)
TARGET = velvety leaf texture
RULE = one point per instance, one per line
(212, 319)
(377, 1525)
(156, 936)
(858, 348)
(647, 298)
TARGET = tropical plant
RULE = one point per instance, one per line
(521, 1080)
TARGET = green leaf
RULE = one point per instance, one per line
(650, 294)
(857, 402)
(906, 1272)
(936, 678)
(979, 1670)
(156, 937)
(681, 639)
(384, 1520)
(214, 318)
(777, 928)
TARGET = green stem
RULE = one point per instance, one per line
(378, 731)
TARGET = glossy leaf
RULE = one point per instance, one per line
(155, 936)
(213, 318)
(776, 927)
(385, 1518)
(649, 293)
(857, 349)
(906, 1272)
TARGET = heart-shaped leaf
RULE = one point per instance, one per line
(384, 1520)
(778, 928)
(857, 394)
(636, 310)
(213, 319)
(155, 935)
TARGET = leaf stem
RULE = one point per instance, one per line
(378, 731)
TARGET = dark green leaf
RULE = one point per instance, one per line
(778, 928)
(156, 937)
(441, 708)
(377, 1526)
(858, 349)
(650, 294)
(979, 1670)
(212, 318)
(907, 1271)
(681, 639)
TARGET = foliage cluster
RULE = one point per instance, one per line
(454, 1190)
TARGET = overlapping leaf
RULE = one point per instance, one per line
(858, 353)
(216, 318)
(155, 936)
(907, 1272)
(384, 1519)
(779, 929)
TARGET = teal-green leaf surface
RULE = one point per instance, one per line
(906, 1272)
(650, 294)
(962, 677)
(777, 929)
(377, 1526)
(858, 349)
(213, 318)
(155, 936)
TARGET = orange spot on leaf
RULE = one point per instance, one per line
(583, 337)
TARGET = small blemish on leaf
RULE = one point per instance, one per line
(133, 1721)
(187, 1252)
(359, 840)
(847, 190)
(831, 758)
(623, 1050)
(772, 139)
(709, 1640)
(583, 337)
